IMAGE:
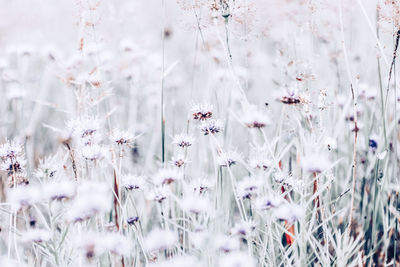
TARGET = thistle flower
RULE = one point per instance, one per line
(255, 119)
(122, 137)
(59, 190)
(48, 167)
(196, 205)
(229, 158)
(133, 182)
(159, 194)
(183, 140)
(91, 198)
(227, 243)
(36, 235)
(202, 112)
(315, 163)
(259, 158)
(159, 239)
(13, 162)
(266, 203)
(95, 244)
(288, 212)
(85, 129)
(248, 188)
(179, 161)
(21, 196)
(211, 127)
(201, 185)
(166, 176)
(244, 228)
(93, 152)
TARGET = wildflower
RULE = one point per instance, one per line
(202, 112)
(166, 176)
(255, 119)
(248, 187)
(259, 158)
(122, 137)
(288, 212)
(36, 235)
(59, 190)
(183, 140)
(93, 152)
(159, 239)
(227, 244)
(201, 185)
(267, 203)
(91, 199)
(48, 167)
(85, 129)
(13, 162)
(315, 163)
(211, 127)
(196, 205)
(227, 159)
(133, 182)
(179, 161)
(159, 194)
(95, 244)
(23, 196)
(245, 228)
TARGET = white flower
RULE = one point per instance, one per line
(166, 176)
(289, 212)
(202, 112)
(196, 205)
(59, 190)
(95, 244)
(179, 160)
(35, 235)
(122, 137)
(23, 196)
(266, 203)
(252, 118)
(259, 158)
(226, 243)
(131, 182)
(183, 140)
(92, 198)
(159, 239)
(228, 158)
(315, 163)
(244, 228)
(248, 187)
(158, 194)
(93, 152)
(211, 127)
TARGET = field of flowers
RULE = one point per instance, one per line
(191, 133)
